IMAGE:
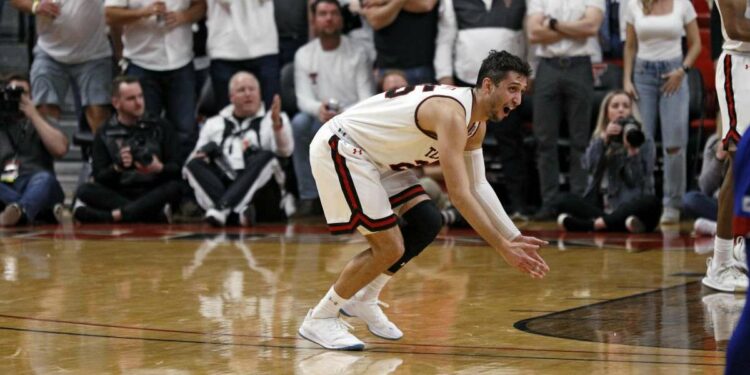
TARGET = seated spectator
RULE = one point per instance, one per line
(392, 79)
(620, 164)
(330, 73)
(72, 47)
(234, 168)
(134, 163)
(28, 144)
(704, 203)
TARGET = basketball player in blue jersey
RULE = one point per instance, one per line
(362, 160)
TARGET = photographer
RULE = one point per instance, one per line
(29, 190)
(134, 162)
(620, 162)
(234, 167)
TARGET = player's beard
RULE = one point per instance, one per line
(499, 112)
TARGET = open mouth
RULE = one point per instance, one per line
(507, 109)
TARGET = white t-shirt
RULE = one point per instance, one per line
(241, 29)
(735, 45)
(659, 36)
(77, 35)
(151, 45)
(566, 10)
(386, 128)
(343, 74)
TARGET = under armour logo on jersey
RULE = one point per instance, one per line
(356, 151)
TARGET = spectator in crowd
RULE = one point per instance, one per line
(235, 168)
(392, 79)
(703, 204)
(565, 32)
(291, 17)
(405, 32)
(656, 75)
(467, 30)
(331, 73)
(72, 46)
(28, 143)
(157, 41)
(620, 163)
(242, 36)
(134, 162)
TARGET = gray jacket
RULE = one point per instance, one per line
(625, 177)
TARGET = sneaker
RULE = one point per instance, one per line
(634, 224)
(330, 333)
(670, 215)
(570, 223)
(371, 313)
(704, 227)
(248, 216)
(11, 215)
(726, 278)
(723, 312)
(216, 218)
(58, 211)
(328, 363)
(561, 221)
(739, 254)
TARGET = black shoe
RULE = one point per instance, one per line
(308, 207)
(574, 224)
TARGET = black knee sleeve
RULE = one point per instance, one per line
(419, 226)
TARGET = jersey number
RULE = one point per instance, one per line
(400, 91)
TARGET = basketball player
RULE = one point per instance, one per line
(724, 272)
(361, 162)
(733, 87)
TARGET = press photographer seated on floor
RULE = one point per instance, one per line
(29, 190)
(134, 164)
(234, 169)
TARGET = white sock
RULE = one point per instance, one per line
(722, 251)
(329, 306)
(372, 290)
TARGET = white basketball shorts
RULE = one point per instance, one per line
(733, 92)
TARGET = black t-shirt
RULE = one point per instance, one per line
(291, 18)
(21, 142)
(408, 42)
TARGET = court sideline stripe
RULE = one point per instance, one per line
(376, 351)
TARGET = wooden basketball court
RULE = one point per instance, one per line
(194, 300)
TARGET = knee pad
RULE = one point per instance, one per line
(419, 226)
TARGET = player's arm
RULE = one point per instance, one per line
(446, 118)
(736, 18)
(586, 26)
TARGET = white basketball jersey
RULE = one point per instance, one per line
(735, 45)
(385, 126)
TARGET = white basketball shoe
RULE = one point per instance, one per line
(370, 313)
(739, 254)
(726, 277)
(330, 333)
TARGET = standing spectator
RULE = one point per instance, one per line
(331, 73)
(72, 46)
(467, 30)
(620, 162)
(28, 144)
(565, 32)
(158, 45)
(242, 36)
(134, 162)
(656, 75)
(405, 32)
(234, 168)
(291, 18)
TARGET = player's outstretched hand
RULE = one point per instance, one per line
(522, 253)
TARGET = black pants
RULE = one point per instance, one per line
(136, 205)
(260, 184)
(647, 208)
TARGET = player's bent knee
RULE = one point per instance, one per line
(421, 225)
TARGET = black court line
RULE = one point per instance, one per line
(475, 355)
(391, 343)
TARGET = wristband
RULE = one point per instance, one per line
(35, 6)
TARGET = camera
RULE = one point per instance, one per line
(143, 141)
(631, 130)
(10, 100)
(216, 155)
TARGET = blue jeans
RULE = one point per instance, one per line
(304, 127)
(33, 192)
(698, 204)
(173, 91)
(673, 112)
(265, 68)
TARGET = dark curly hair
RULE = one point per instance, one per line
(497, 65)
